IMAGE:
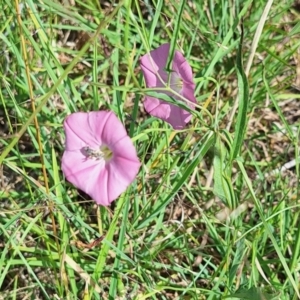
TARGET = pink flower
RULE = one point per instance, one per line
(100, 158)
(153, 65)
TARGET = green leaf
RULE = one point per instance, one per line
(222, 175)
(243, 94)
(253, 293)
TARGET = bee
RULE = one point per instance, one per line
(92, 153)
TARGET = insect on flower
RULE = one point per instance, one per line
(92, 153)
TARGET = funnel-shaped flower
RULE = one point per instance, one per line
(153, 65)
(100, 158)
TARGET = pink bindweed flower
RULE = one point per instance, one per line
(153, 65)
(100, 158)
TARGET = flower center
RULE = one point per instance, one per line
(176, 83)
(106, 152)
(102, 152)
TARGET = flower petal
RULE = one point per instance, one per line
(172, 114)
(182, 67)
(157, 108)
(78, 131)
(155, 62)
(112, 181)
(112, 131)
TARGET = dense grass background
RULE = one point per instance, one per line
(214, 211)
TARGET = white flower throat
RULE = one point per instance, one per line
(176, 82)
(103, 152)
